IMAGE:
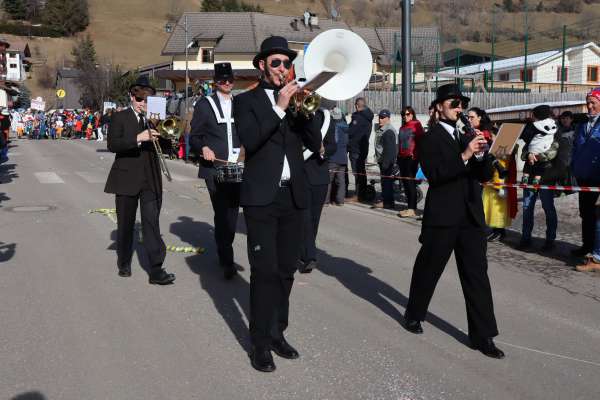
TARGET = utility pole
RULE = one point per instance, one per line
(563, 74)
(525, 74)
(187, 77)
(406, 55)
(493, 45)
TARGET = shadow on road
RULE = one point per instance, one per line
(359, 280)
(7, 173)
(560, 253)
(7, 251)
(231, 298)
(29, 396)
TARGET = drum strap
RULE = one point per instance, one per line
(225, 120)
(326, 121)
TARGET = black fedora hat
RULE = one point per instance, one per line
(450, 91)
(274, 45)
(223, 71)
(142, 83)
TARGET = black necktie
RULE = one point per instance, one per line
(456, 136)
(276, 95)
(142, 123)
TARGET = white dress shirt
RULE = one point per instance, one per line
(450, 129)
(285, 173)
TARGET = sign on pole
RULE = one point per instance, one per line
(38, 104)
(60, 93)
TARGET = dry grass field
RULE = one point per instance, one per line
(131, 33)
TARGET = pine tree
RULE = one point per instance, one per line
(84, 53)
(24, 98)
(212, 5)
(66, 16)
(15, 8)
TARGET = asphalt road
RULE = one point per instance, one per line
(72, 329)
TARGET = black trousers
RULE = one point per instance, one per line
(409, 167)
(150, 204)
(312, 217)
(587, 212)
(359, 169)
(469, 244)
(225, 199)
(274, 239)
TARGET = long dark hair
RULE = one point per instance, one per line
(486, 123)
(410, 110)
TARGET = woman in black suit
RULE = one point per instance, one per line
(453, 221)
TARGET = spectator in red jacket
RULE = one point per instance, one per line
(408, 161)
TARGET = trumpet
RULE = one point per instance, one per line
(302, 102)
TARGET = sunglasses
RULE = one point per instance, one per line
(407, 114)
(287, 64)
(139, 99)
(458, 103)
(225, 81)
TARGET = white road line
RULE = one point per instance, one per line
(48, 177)
(91, 177)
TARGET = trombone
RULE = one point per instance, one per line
(168, 129)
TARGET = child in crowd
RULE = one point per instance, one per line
(538, 137)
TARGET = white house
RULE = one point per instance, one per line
(582, 66)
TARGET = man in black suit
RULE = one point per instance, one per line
(359, 132)
(135, 177)
(317, 174)
(273, 193)
(453, 220)
(214, 137)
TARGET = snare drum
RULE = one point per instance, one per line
(230, 173)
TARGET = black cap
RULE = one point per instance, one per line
(385, 113)
(274, 45)
(223, 71)
(450, 91)
(542, 112)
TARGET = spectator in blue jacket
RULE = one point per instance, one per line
(339, 160)
(585, 165)
(359, 132)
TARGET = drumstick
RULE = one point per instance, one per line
(224, 161)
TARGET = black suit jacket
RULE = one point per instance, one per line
(317, 168)
(266, 139)
(135, 167)
(206, 131)
(454, 190)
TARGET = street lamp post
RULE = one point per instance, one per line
(169, 29)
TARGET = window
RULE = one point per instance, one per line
(558, 74)
(592, 73)
(208, 56)
(504, 76)
(529, 75)
(13, 65)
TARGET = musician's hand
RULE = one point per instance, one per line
(147, 135)
(208, 154)
(532, 158)
(286, 93)
(477, 145)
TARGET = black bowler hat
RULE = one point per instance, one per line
(274, 45)
(142, 83)
(223, 71)
(450, 91)
(542, 112)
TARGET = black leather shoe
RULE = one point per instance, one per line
(308, 267)
(125, 272)
(283, 349)
(262, 360)
(413, 326)
(229, 272)
(487, 347)
(161, 277)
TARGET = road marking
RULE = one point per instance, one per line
(181, 178)
(48, 177)
(91, 177)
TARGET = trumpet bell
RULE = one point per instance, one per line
(344, 52)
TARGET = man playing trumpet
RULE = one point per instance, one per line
(273, 193)
(134, 177)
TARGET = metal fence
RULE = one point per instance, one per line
(392, 100)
